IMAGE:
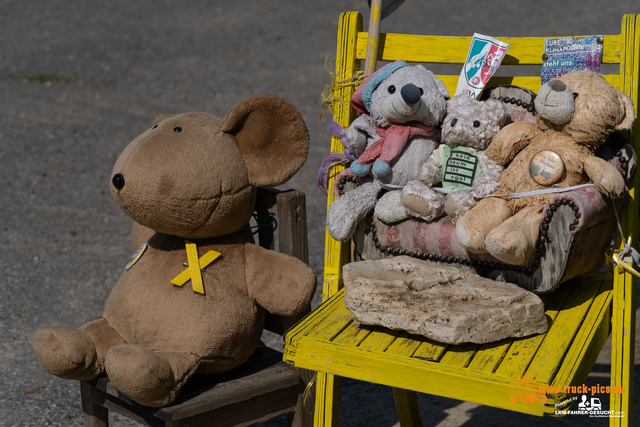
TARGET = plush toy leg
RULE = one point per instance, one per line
(390, 209)
(358, 169)
(346, 211)
(150, 378)
(381, 169)
(514, 240)
(473, 228)
(422, 201)
(458, 203)
(67, 353)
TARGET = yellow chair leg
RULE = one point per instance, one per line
(327, 411)
(407, 407)
(623, 348)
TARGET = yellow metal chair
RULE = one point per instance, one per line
(509, 374)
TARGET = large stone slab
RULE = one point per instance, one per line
(446, 304)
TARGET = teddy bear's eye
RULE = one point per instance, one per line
(177, 129)
(476, 124)
(575, 95)
(421, 91)
(392, 89)
(154, 127)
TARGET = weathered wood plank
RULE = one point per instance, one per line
(379, 340)
(522, 350)
(587, 344)
(532, 83)
(336, 254)
(94, 414)
(405, 344)
(353, 335)
(563, 331)
(453, 50)
(489, 355)
(459, 355)
(407, 407)
(430, 350)
(413, 374)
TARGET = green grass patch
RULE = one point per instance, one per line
(43, 78)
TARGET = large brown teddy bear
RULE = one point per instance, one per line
(192, 179)
(576, 114)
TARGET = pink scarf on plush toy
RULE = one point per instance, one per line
(393, 140)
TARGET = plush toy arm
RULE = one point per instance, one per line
(604, 175)
(510, 140)
(279, 283)
(430, 173)
(360, 133)
(489, 179)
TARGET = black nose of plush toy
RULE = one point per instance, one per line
(410, 93)
(118, 181)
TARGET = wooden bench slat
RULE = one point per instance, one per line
(453, 50)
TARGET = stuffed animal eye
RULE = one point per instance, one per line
(392, 89)
(421, 91)
(154, 127)
(476, 124)
(177, 129)
(575, 95)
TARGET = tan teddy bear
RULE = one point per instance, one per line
(576, 114)
(193, 299)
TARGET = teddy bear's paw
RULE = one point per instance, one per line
(359, 170)
(67, 353)
(470, 239)
(511, 246)
(390, 209)
(141, 374)
(381, 169)
(421, 201)
(458, 203)
(611, 184)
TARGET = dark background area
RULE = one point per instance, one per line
(64, 241)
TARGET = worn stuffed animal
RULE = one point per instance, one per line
(576, 114)
(190, 181)
(459, 164)
(400, 106)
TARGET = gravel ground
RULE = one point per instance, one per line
(64, 241)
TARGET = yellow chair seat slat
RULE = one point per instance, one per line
(521, 354)
(352, 335)
(545, 365)
(430, 350)
(380, 341)
(489, 371)
(453, 50)
(406, 344)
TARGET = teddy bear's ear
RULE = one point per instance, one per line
(272, 136)
(160, 118)
(627, 105)
(439, 83)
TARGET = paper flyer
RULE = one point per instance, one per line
(566, 54)
(484, 58)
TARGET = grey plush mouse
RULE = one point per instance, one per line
(400, 106)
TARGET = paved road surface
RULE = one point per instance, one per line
(64, 241)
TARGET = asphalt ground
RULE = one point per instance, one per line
(81, 79)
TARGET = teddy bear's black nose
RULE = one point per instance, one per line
(410, 93)
(118, 181)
